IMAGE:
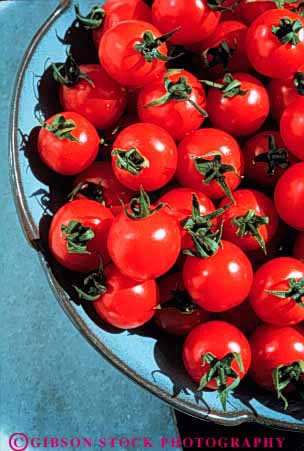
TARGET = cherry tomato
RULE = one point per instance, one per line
(277, 355)
(266, 158)
(289, 196)
(282, 93)
(179, 201)
(251, 221)
(227, 272)
(225, 50)
(126, 304)
(210, 160)
(238, 104)
(196, 19)
(144, 244)
(78, 235)
(298, 248)
(68, 143)
(133, 52)
(175, 101)
(95, 96)
(243, 317)
(275, 43)
(177, 314)
(98, 182)
(248, 11)
(230, 351)
(144, 155)
(292, 128)
(276, 294)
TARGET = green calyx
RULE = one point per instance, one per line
(217, 5)
(214, 170)
(230, 87)
(200, 228)
(61, 128)
(77, 237)
(221, 370)
(287, 30)
(283, 375)
(93, 20)
(249, 224)
(298, 81)
(68, 73)
(179, 91)
(89, 190)
(93, 286)
(181, 300)
(141, 206)
(275, 157)
(149, 46)
(295, 291)
(220, 55)
(131, 160)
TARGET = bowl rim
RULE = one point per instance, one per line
(31, 233)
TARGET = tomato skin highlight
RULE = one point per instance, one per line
(127, 303)
(228, 272)
(156, 146)
(205, 338)
(119, 58)
(90, 214)
(171, 319)
(267, 54)
(272, 346)
(245, 200)
(292, 127)
(101, 174)
(118, 11)
(102, 104)
(196, 19)
(274, 276)
(289, 196)
(144, 248)
(239, 115)
(64, 156)
(199, 143)
(176, 117)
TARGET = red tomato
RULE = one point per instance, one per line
(94, 95)
(220, 343)
(238, 104)
(98, 182)
(144, 244)
(133, 52)
(227, 272)
(266, 158)
(68, 143)
(298, 248)
(289, 196)
(194, 17)
(283, 92)
(277, 292)
(177, 314)
(292, 128)
(175, 101)
(225, 50)
(251, 221)
(217, 178)
(275, 43)
(277, 354)
(248, 11)
(112, 12)
(126, 304)
(180, 202)
(243, 317)
(78, 235)
(144, 155)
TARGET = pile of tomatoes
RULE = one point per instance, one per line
(186, 143)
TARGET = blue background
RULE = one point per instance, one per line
(52, 383)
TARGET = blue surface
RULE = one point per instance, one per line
(52, 381)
